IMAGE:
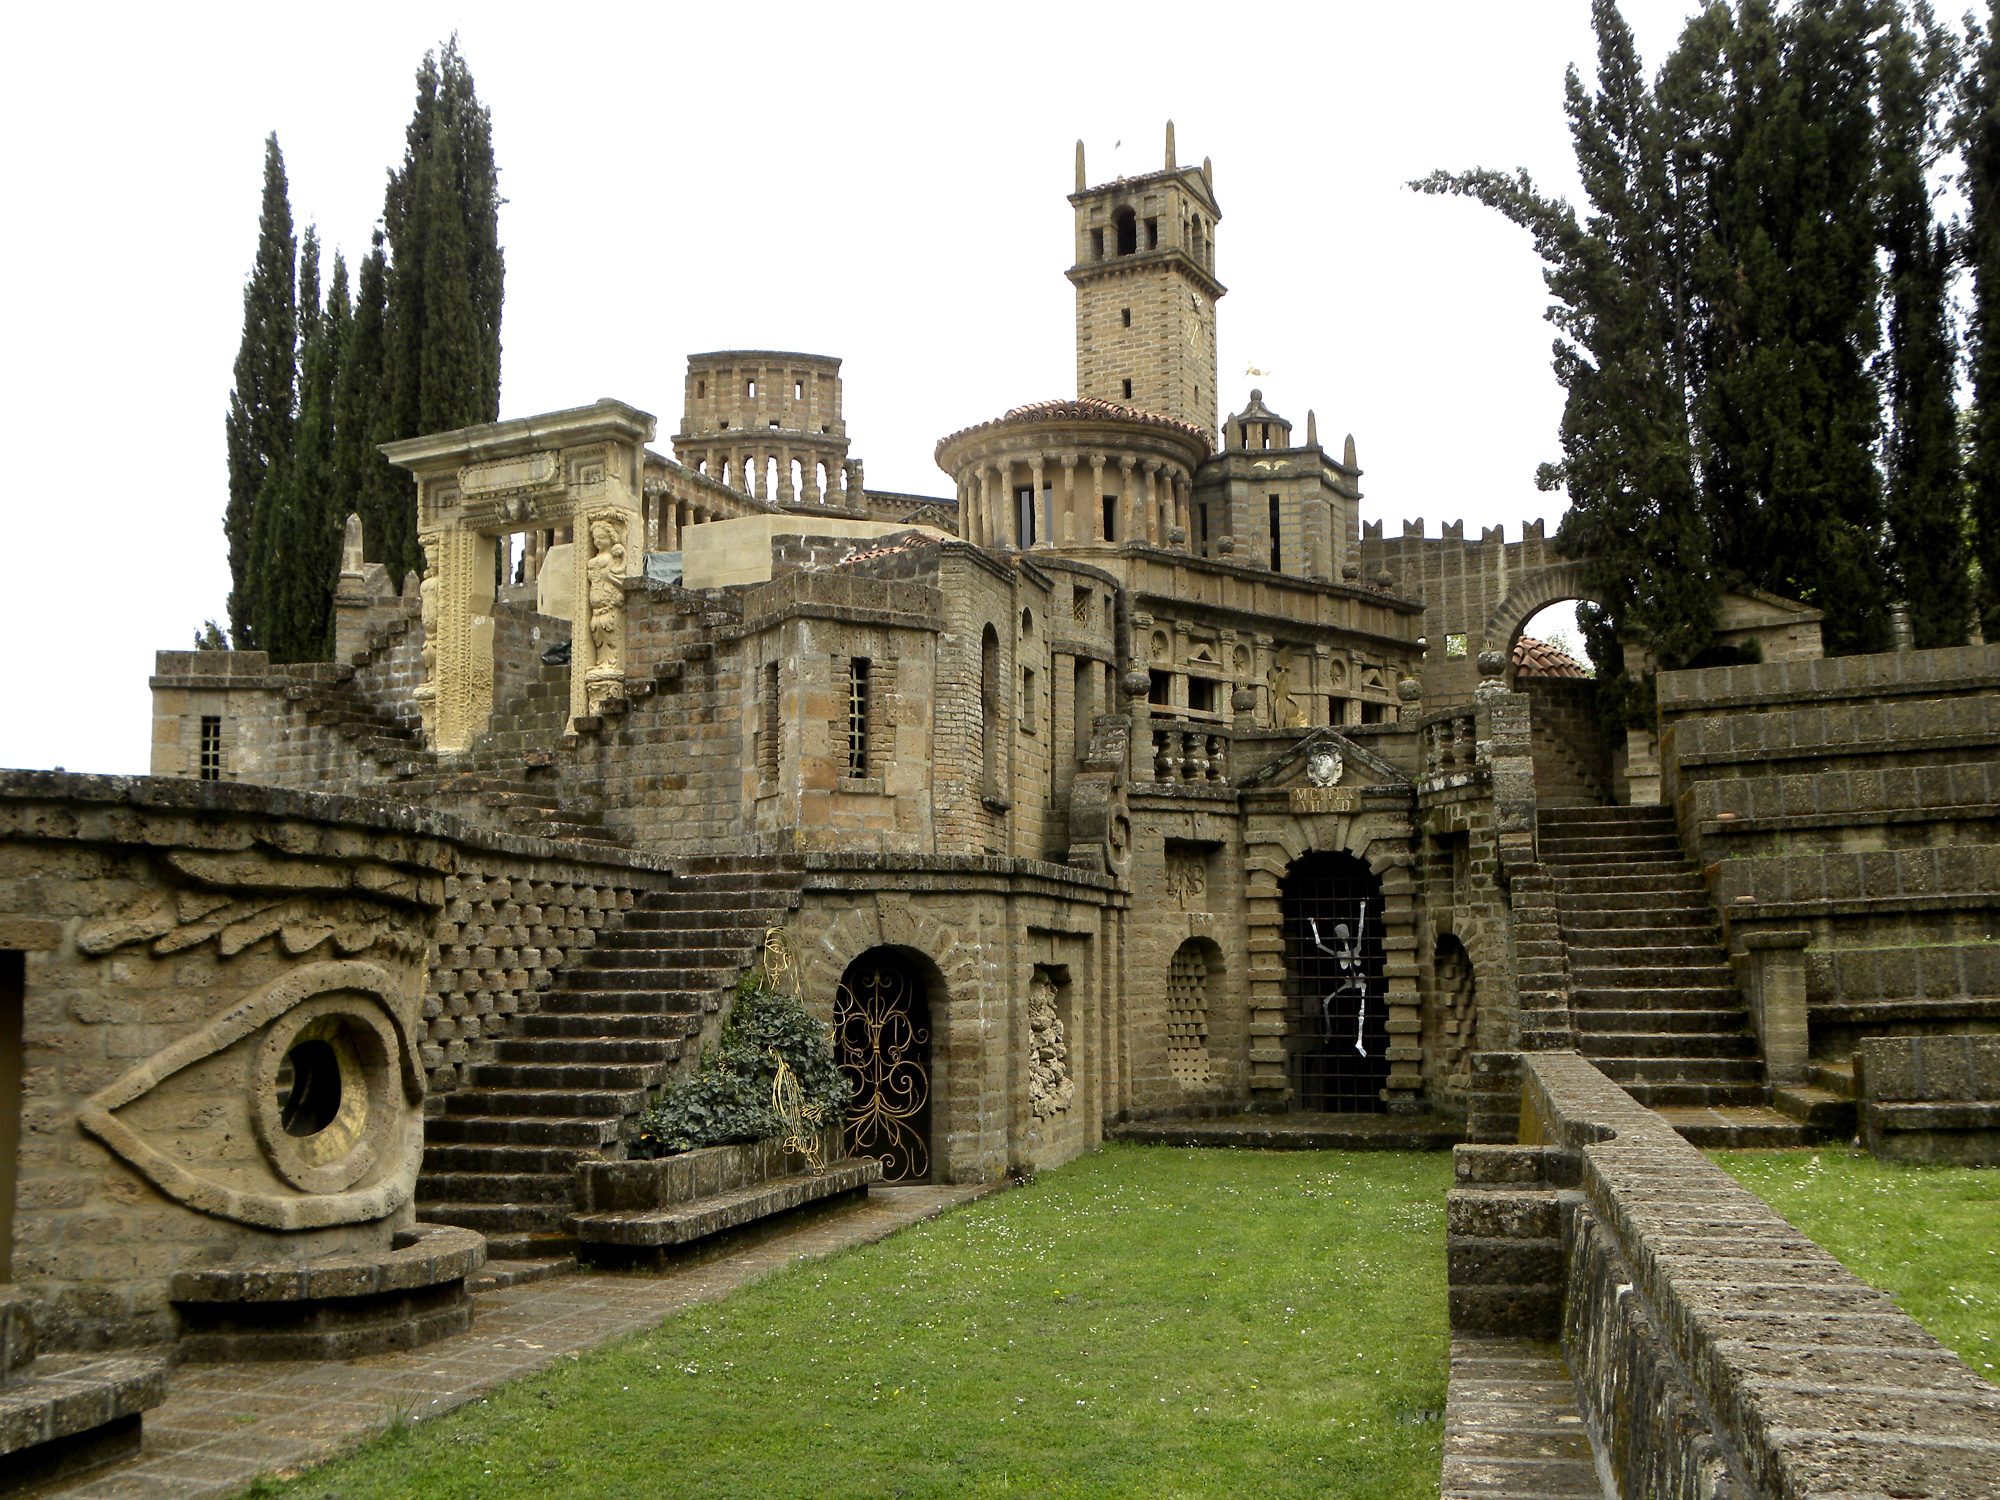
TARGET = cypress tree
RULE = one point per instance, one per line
(370, 485)
(258, 427)
(1924, 501)
(1979, 127)
(1619, 305)
(318, 505)
(1788, 411)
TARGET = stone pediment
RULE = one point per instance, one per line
(1326, 767)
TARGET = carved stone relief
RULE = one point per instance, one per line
(1050, 1087)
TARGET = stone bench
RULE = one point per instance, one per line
(63, 1414)
(628, 1207)
(1930, 1098)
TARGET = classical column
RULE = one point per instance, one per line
(1129, 501)
(1095, 530)
(1045, 514)
(1069, 526)
(1153, 527)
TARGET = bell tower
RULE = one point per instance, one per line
(1146, 290)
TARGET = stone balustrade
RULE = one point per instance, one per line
(1450, 740)
(1190, 754)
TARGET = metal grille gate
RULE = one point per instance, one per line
(1337, 1016)
(881, 1027)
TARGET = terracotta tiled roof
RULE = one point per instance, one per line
(1081, 409)
(1533, 658)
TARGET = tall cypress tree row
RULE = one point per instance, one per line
(1927, 538)
(1722, 309)
(258, 427)
(317, 510)
(1620, 306)
(1979, 127)
(275, 587)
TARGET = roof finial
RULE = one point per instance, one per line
(1347, 456)
(1312, 428)
(1208, 175)
(1081, 181)
(1171, 162)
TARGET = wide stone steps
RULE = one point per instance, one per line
(566, 1083)
(520, 1130)
(558, 1050)
(565, 1076)
(639, 1024)
(1653, 996)
(599, 1103)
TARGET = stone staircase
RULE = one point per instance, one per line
(1652, 994)
(567, 1085)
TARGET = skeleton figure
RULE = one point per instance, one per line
(1346, 954)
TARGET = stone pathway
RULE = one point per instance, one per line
(1511, 1429)
(223, 1425)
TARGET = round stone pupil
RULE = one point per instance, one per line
(309, 1088)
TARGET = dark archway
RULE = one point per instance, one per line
(1336, 1006)
(882, 1042)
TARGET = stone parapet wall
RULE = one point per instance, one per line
(1947, 671)
(1697, 1379)
(1931, 1098)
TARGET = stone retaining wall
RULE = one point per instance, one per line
(1717, 1351)
(1931, 1098)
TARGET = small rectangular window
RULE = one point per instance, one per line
(1097, 244)
(1082, 709)
(774, 422)
(1160, 689)
(1152, 234)
(1374, 713)
(1126, 314)
(210, 763)
(1110, 518)
(1277, 554)
(1454, 646)
(1128, 390)
(750, 388)
(798, 390)
(1201, 521)
(700, 389)
(1201, 695)
(1027, 700)
(857, 717)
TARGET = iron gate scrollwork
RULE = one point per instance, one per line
(1337, 1015)
(881, 1027)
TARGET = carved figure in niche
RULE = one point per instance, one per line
(427, 610)
(1284, 708)
(1187, 877)
(607, 594)
(1050, 1088)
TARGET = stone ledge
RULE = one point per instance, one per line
(665, 1228)
(424, 1256)
(66, 1413)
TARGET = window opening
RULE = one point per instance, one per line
(1454, 646)
(1128, 390)
(1127, 225)
(700, 389)
(857, 717)
(1126, 314)
(1024, 516)
(1276, 554)
(798, 390)
(989, 710)
(750, 389)
(1201, 695)
(767, 729)
(1374, 713)
(1160, 689)
(1082, 709)
(1028, 700)
(1097, 244)
(1110, 518)
(1201, 522)
(1152, 234)
(210, 765)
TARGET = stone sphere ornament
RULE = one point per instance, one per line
(1492, 664)
(1409, 689)
(1243, 700)
(1137, 683)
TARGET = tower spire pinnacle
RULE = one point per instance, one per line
(1171, 162)
(1082, 182)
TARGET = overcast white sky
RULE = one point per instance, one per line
(882, 183)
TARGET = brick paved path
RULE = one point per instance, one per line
(223, 1425)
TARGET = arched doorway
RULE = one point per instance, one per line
(882, 1042)
(1336, 1006)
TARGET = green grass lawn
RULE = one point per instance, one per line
(1145, 1322)
(1929, 1236)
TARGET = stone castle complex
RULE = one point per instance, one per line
(1134, 778)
